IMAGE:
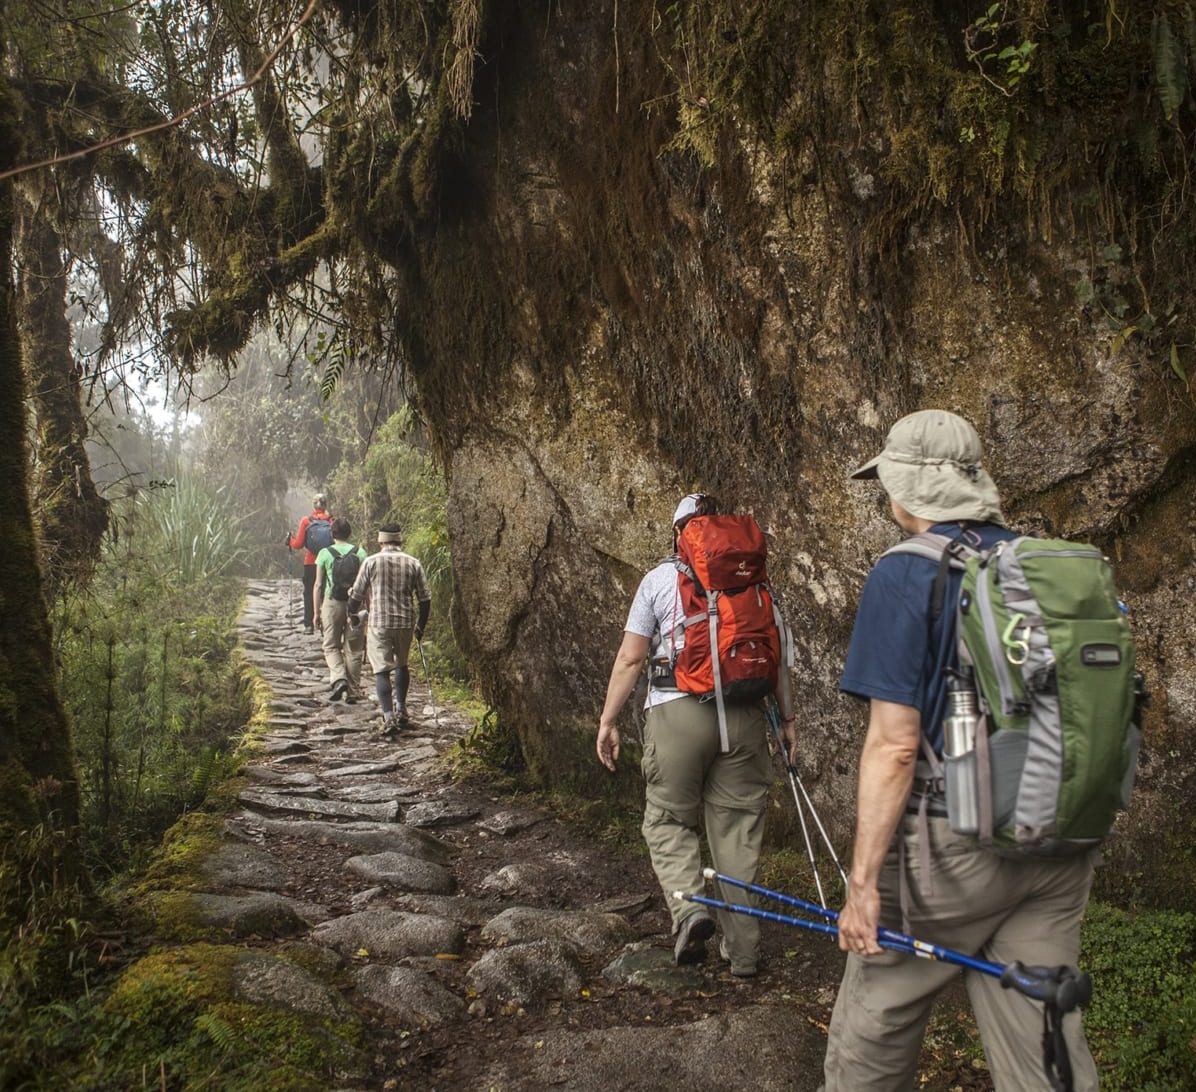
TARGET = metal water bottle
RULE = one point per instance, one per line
(959, 753)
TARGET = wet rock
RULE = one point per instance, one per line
(364, 769)
(413, 996)
(528, 974)
(243, 866)
(368, 837)
(440, 813)
(264, 979)
(298, 759)
(590, 933)
(652, 968)
(280, 802)
(404, 872)
(507, 823)
(390, 934)
(768, 1048)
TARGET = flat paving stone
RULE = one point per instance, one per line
(268, 775)
(507, 823)
(243, 866)
(462, 909)
(590, 933)
(403, 872)
(439, 813)
(652, 968)
(280, 802)
(286, 747)
(369, 837)
(365, 769)
(528, 974)
(413, 996)
(258, 914)
(261, 978)
(363, 794)
(390, 934)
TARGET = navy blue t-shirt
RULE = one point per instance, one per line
(896, 654)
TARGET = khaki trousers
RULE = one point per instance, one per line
(996, 908)
(343, 644)
(688, 780)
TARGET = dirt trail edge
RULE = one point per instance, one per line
(478, 945)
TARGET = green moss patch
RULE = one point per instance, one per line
(174, 1017)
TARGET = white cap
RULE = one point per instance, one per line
(687, 507)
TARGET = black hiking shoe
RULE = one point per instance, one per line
(692, 935)
(339, 689)
(401, 717)
(309, 629)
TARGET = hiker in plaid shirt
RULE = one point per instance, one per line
(390, 583)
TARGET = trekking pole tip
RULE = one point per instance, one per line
(709, 873)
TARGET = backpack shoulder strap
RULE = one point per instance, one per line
(947, 553)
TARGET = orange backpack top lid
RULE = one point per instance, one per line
(724, 552)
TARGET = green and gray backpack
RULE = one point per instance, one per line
(1040, 624)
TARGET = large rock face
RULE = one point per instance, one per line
(605, 324)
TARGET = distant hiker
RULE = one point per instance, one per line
(338, 566)
(389, 581)
(951, 891)
(705, 761)
(312, 535)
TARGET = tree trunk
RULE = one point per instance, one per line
(71, 515)
(39, 787)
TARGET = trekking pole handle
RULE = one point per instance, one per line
(1064, 987)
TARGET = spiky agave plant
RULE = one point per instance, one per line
(191, 531)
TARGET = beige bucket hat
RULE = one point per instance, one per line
(930, 465)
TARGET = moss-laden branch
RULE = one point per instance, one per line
(221, 324)
(38, 782)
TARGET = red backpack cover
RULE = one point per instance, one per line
(725, 604)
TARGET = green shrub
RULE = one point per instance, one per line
(1141, 1024)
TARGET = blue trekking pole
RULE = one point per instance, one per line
(1060, 989)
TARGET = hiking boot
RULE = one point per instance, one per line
(309, 629)
(339, 689)
(692, 935)
(401, 717)
(739, 970)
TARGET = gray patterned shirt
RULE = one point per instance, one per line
(389, 579)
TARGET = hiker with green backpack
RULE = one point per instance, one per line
(337, 567)
(1001, 742)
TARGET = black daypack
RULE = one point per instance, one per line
(344, 569)
(318, 535)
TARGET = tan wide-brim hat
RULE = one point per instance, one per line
(930, 465)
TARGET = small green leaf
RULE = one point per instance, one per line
(1123, 337)
(1176, 366)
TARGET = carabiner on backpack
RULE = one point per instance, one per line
(1017, 649)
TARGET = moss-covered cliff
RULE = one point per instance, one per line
(653, 247)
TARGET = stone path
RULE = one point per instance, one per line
(485, 946)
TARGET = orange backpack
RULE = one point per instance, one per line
(734, 634)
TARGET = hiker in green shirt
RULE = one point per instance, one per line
(336, 569)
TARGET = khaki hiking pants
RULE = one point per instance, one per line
(996, 908)
(688, 781)
(343, 644)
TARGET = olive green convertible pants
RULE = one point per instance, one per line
(996, 908)
(689, 780)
